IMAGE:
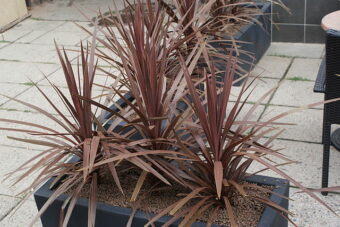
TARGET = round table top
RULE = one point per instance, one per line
(331, 21)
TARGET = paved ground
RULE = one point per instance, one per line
(27, 54)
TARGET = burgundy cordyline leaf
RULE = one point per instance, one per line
(218, 173)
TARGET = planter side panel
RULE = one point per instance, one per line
(270, 216)
(50, 218)
(108, 216)
(263, 33)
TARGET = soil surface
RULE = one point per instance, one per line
(156, 196)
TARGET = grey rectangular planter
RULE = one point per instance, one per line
(253, 38)
(113, 216)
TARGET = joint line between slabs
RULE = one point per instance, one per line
(37, 83)
(330, 192)
(274, 92)
(48, 31)
(10, 210)
(300, 141)
(11, 42)
(23, 148)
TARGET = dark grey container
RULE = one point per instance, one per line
(113, 216)
(254, 38)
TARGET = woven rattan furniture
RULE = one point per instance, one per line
(328, 82)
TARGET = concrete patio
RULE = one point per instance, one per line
(27, 55)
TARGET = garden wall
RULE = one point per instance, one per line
(11, 11)
(303, 25)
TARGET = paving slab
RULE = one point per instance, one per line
(34, 97)
(308, 169)
(11, 90)
(21, 72)
(58, 78)
(7, 203)
(308, 212)
(3, 100)
(296, 93)
(247, 108)
(32, 53)
(272, 67)
(30, 24)
(103, 50)
(30, 117)
(12, 35)
(307, 123)
(10, 159)
(30, 37)
(62, 38)
(304, 50)
(51, 11)
(29, 53)
(262, 86)
(22, 216)
(73, 27)
(3, 44)
(304, 69)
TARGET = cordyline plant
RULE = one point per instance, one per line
(144, 55)
(78, 138)
(167, 128)
(184, 21)
(84, 138)
(220, 20)
(224, 147)
(221, 154)
(195, 20)
(225, 14)
(216, 16)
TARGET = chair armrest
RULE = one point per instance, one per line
(319, 86)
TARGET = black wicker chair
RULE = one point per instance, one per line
(328, 82)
